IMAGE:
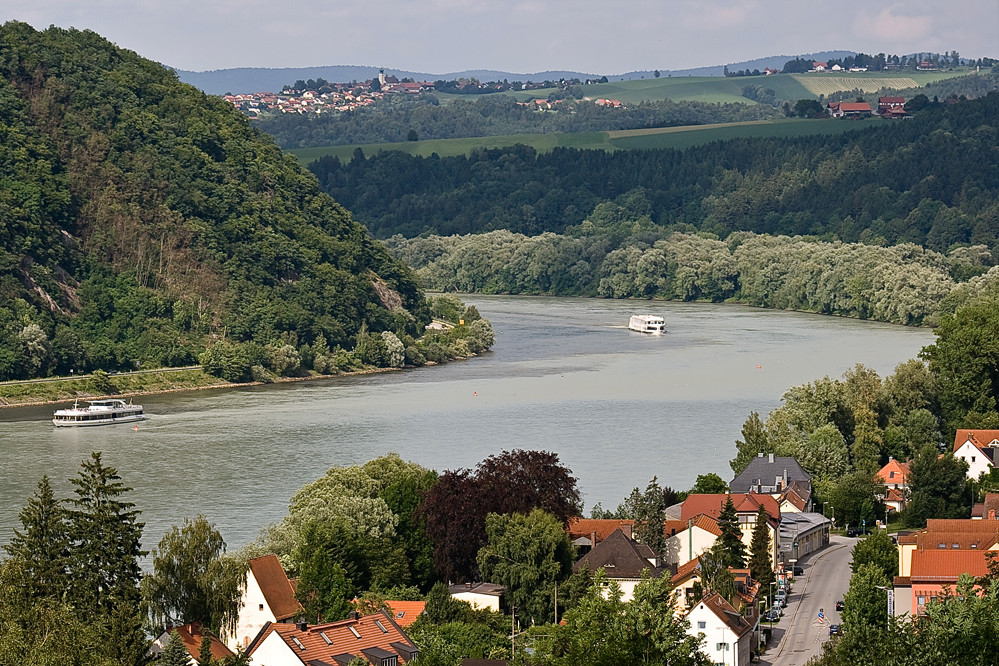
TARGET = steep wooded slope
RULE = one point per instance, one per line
(141, 218)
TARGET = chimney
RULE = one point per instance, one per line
(760, 454)
(626, 528)
(302, 626)
(354, 615)
(785, 477)
(468, 586)
(593, 539)
(992, 514)
(771, 458)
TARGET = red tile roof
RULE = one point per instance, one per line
(585, 527)
(406, 612)
(686, 571)
(704, 521)
(744, 503)
(894, 472)
(191, 635)
(964, 539)
(944, 566)
(960, 525)
(980, 438)
(275, 586)
(324, 641)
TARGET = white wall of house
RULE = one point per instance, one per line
(977, 462)
(716, 635)
(254, 613)
(684, 546)
(273, 651)
(480, 601)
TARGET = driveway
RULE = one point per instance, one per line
(800, 633)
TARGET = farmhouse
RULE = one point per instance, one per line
(977, 448)
(854, 109)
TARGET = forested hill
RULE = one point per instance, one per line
(141, 218)
(932, 180)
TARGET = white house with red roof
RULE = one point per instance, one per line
(977, 448)
(726, 636)
(843, 109)
(686, 540)
(268, 596)
(895, 476)
(746, 507)
(376, 638)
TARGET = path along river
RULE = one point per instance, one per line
(565, 375)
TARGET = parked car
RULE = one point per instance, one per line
(834, 630)
(839, 605)
(798, 571)
(772, 615)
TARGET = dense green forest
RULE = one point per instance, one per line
(143, 221)
(394, 118)
(903, 284)
(931, 180)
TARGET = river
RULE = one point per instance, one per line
(564, 375)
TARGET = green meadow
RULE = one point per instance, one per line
(644, 139)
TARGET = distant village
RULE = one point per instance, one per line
(320, 96)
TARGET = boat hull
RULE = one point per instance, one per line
(128, 418)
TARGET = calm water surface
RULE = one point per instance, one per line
(565, 375)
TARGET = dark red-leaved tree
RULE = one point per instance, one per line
(515, 481)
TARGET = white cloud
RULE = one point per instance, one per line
(892, 27)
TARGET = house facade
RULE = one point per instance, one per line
(482, 596)
(726, 636)
(267, 597)
(687, 539)
(746, 507)
(895, 476)
(977, 448)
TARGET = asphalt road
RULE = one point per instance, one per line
(799, 635)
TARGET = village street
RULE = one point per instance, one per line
(800, 634)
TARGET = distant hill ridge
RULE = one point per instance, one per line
(242, 80)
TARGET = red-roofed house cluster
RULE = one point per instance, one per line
(932, 559)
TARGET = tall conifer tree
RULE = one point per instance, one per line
(730, 541)
(760, 564)
(106, 539)
(42, 548)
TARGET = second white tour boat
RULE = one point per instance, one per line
(98, 412)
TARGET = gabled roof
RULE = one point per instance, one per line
(960, 525)
(724, 611)
(191, 635)
(703, 521)
(275, 586)
(330, 643)
(620, 557)
(406, 612)
(991, 508)
(854, 106)
(744, 503)
(765, 469)
(894, 472)
(585, 527)
(792, 497)
(688, 570)
(944, 566)
(982, 439)
(963, 540)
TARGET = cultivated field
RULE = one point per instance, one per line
(828, 85)
(644, 139)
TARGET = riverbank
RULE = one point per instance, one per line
(130, 385)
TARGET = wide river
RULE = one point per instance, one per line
(565, 375)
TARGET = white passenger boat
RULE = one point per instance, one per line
(98, 412)
(646, 323)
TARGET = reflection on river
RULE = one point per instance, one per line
(565, 375)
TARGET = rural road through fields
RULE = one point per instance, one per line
(825, 581)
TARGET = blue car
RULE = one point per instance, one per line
(834, 630)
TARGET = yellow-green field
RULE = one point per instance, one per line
(828, 85)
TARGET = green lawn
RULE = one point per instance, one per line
(666, 137)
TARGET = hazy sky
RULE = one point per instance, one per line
(523, 36)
